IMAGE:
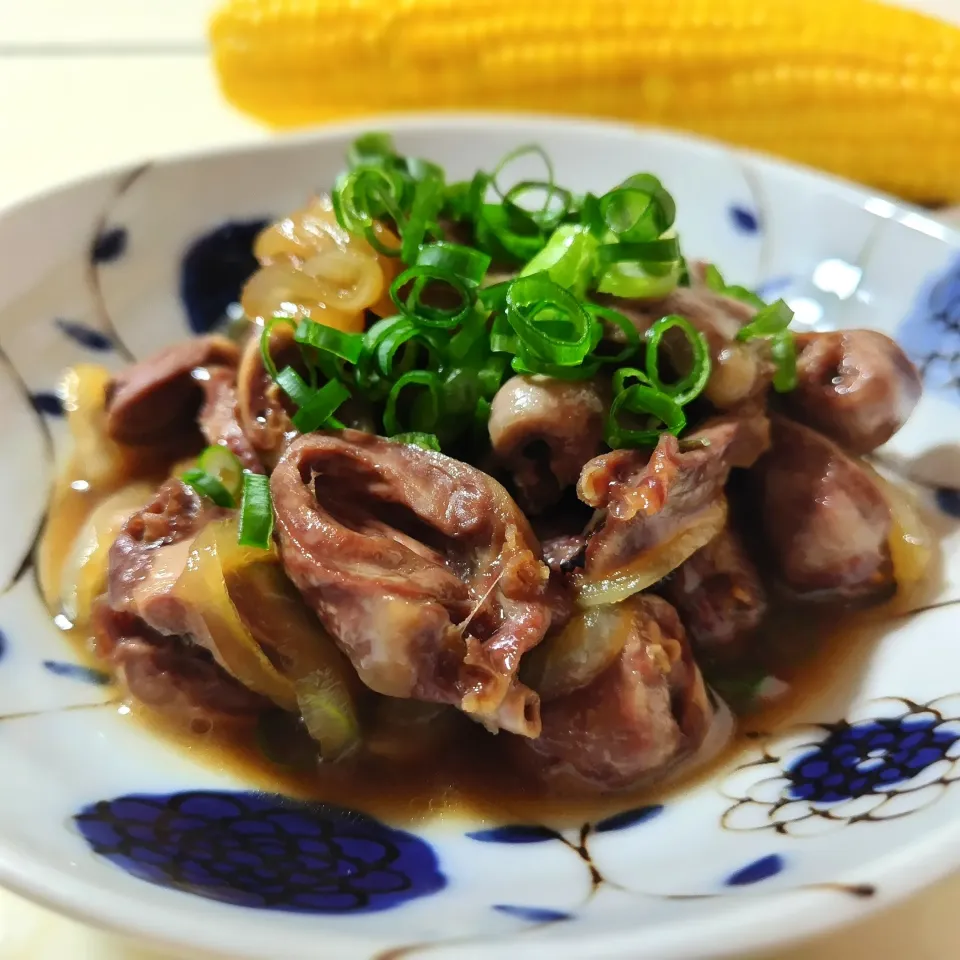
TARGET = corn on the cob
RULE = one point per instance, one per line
(853, 86)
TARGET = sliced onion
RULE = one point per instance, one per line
(311, 240)
(84, 575)
(346, 280)
(912, 545)
(264, 635)
(203, 590)
(282, 290)
(585, 647)
(653, 565)
(328, 713)
(99, 460)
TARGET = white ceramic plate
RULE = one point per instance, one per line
(813, 827)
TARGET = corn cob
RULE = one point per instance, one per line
(855, 87)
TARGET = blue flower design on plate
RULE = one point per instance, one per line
(87, 337)
(263, 850)
(213, 271)
(48, 402)
(887, 765)
(931, 333)
(109, 245)
(746, 221)
(76, 671)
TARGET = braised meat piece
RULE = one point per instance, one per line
(825, 521)
(170, 674)
(719, 596)
(856, 386)
(642, 714)
(543, 431)
(158, 399)
(422, 568)
(660, 507)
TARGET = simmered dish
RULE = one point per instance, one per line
(487, 468)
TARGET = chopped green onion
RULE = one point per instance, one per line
(531, 366)
(366, 194)
(425, 409)
(466, 263)
(623, 324)
(620, 378)
(256, 512)
(384, 340)
(783, 348)
(639, 209)
(265, 355)
(549, 321)
(412, 306)
(634, 280)
(220, 462)
(664, 250)
(208, 486)
(294, 386)
(545, 218)
(714, 280)
(320, 407)
(428, 198)
(427, 441)
(692, 384)
(509, 233)
(768, 322)
(370, 148)
(646, 401)
(348, 346)
(569, 258)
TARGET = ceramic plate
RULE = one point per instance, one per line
(847, 808)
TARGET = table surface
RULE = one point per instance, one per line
(102, 82)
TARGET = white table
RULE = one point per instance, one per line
(98, 82)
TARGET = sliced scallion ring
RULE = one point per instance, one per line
(256, 512)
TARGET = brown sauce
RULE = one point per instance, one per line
(460, 770)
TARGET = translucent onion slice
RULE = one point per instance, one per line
(266, 637)
(314, 232)
(654, 564)
(280, 289)
(84, 575)
(102, 462)
(912, 545)
(585, 647)
(202, 588)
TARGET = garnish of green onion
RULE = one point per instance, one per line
(424, 409)
(448, 269)
(256, 512)
(767, 322)
(692, 384)
(365, 194)
(550, 322)
(569, 258)
(628, 332)
(320, 406)
(348, 346)
(208, 486)
(223, 464)
(647, 403)
(664, 250)
(783, 349)
(639, 209)
(428, 441)
(642, 281)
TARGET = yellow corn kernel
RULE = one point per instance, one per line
(861, 89)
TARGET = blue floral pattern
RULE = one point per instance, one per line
(931, 334)
(214, 268)
(877, 767)
(76, 671)
(261, 850)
